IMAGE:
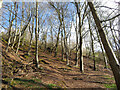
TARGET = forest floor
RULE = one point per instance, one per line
(18, 71)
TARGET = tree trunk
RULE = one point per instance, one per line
(80, 46)
(65, 39)
(31, 33)
(66, 48)
(62, 45)
(51, 32)
(23, 6)
(45, 40)
(104, 57)
(36, 37)
(92, 45)
(56, 46)
(20, 33)
(10, 28)
(19, 39)
(119, 30)
(80, 40)
(114, 63)
(76, 30)
(16, 11)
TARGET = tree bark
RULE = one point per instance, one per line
(20, 33)
(16, 11)
(80, 40)
(31, 36)
(76, 30)
(62, 45)
(104, 57)
(9, 29)
(119, 30)
(23, 6)
(114, 63)
(65, 40)
(36, 37)
(92, 45)
(19, 38)
(56, 46)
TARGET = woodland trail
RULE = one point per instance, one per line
(52, 71)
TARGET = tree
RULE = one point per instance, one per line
(36, 37)
(60, 20)
(20, 34)
(10, 27)
(114, 63)
(81, 21)
(65, 39)
(104, 56)
(119, 29)
(31, 31)
(16, 11)
(92, 43)
(76, 31)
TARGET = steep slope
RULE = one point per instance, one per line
(18, 71)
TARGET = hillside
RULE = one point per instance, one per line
(18, 71)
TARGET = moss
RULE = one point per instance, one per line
(7, 79)
(110, 86)
(69, 68)
(49, 59)
(4, 41)
(26, 56)
(109, 78)
(37, 80)
(51, 85)
(41, 59)
(32, 46)
(28, 83)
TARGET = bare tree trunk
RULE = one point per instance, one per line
(45, 40)
(20, 34)
(104, 57)
(69, 48)
(114, 63)
(62, 45)
(65, 40)
(76, 30)
(36, 37)
(23, 6)
(119, 29)
(16, 11)
(65, 44)
(89, 54)
(119, 22)
(31, 33)
(92, 44)
(80, 40)
(51, 32)
(113, 36)
(56, 46)
(10, 28)
(58, 12)
(19, 39)
(66, 48)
